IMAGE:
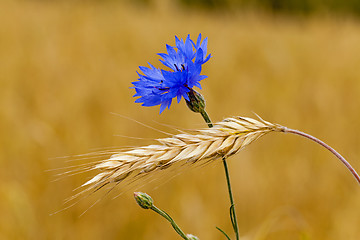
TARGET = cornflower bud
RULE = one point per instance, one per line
(143, 200)
(197, 101)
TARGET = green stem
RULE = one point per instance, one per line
(172, 222)
(232, 207)
(206, 118)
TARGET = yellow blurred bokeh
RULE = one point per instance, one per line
(66, 67)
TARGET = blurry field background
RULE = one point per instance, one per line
(66, 66)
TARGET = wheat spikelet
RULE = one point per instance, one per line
(226, 138)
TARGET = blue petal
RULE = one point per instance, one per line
(189, 53)
(170, 50)
(198, 41)
(199, 57)
(204, 45)
(164, 105)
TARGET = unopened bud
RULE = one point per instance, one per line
(143, 200)
(197, 101)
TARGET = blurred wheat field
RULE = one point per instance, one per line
(65, 67)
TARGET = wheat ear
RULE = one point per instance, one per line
(226, 138)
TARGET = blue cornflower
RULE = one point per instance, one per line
(158, 87)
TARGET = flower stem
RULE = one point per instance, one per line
(333, 151)
(206, 118)
(172, 222)
(232, 205)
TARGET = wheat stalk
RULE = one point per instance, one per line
(226, 138)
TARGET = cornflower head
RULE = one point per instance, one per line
(158, 86)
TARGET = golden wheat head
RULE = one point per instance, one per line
(223, 140)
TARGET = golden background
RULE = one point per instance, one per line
(66, 67)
